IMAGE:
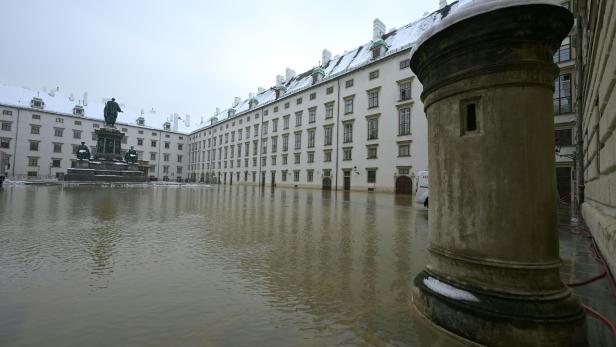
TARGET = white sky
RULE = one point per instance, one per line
(180, 56)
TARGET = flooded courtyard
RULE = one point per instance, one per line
(225, 265)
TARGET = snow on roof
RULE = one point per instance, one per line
(57, 103)
(464, 9)
(396, 41)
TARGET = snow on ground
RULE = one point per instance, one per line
(449, 291)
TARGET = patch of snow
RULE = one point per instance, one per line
(449, 291)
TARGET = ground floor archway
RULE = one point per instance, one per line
(404, 185)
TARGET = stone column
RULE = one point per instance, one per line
(493, 264)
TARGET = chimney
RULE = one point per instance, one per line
(71, 97)
(187, 120)
(85, 98)
(378, 29)
(251, 95)
(326, 57)
(289, 74)
(260, 90)
(217, 111)
(236, 101)
(442, 3)
(279, 80)
(175, 122)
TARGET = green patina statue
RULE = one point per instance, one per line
(131, 156)
(111, 112)
(83, 152)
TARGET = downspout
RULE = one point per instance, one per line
(259, 154)
(160, 144)
(337, 131)
(579, 109)
(16, 136)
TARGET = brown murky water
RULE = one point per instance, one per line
(234, 266)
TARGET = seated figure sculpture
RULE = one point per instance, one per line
(83, 152)
(131, 155)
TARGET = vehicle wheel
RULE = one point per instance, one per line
(426, 203)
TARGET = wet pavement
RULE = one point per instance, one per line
(580, 266)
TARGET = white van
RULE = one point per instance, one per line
(421, 189)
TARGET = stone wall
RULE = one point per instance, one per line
(597, 20)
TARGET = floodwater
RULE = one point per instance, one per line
(213, 266)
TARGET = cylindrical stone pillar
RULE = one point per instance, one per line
(493, 262)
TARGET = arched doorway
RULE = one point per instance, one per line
(404, 185)
(327, 183)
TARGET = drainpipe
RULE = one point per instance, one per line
(16, 136)
(337, 135)
(579, 196)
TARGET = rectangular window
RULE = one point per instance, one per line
(284, 159)
(404, 121)
(6, 126)
(264, 146)
(180, 146)
(327, 156)
(58, 132)
(285, 142)
(329, 110)
(180, 157)
(287, 105)
(56, 162)
(405, 90)
(38, 116)
(273, 160)
(35, 129)
(297, 158)
(274, 144)
(311, 136)
(313, 96)
(76, 134)
(254, 147)
(265, 127)
(347, 153)
(153, 143)
(328, 135)
(564, 52)
(298, 118)
(274, 125)
(348, 105)
(372, 152)
(298, 101)
(371, 176)
(275, 109)
(33, 162)
(562, 94)
(404, 150)
(312, 115)
(563, 137)
(167, 145)
(57, 147)
(374, 74)
(165, 156)
(348, 83)
(348, 133)
(405, 63)
(329, 90)
(284, 175)
(263, 161)
(5, 143)
(310, 175)
(298, 140)
(310, 158)
(34, 145)
(285, 122)
(296, 176)
(139, 142)
(373, 128)
(7, 113)
(373, 98)
(152, 156)
(59, 120)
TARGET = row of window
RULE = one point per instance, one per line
(370, 177)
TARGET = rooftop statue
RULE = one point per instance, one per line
(83, 152)
(111, 112)
(131, 155)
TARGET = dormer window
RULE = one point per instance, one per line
(231, 112)
(37, 103)
(317, 75)
(167, 126)
(280, 90)
(140, 121)
(378, 47)
(78, 110)
(252, 103)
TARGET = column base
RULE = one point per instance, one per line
(495, 319)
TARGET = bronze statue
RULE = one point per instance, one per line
(131, 156)
(83, 152)
(111, 112)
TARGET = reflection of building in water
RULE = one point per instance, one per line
(306, 251)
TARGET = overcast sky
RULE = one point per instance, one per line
(180, 56)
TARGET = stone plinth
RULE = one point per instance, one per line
(108, 144)
(493, 264)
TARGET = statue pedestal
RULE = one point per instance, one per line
(108, 164)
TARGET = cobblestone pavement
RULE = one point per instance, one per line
(580, 265)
